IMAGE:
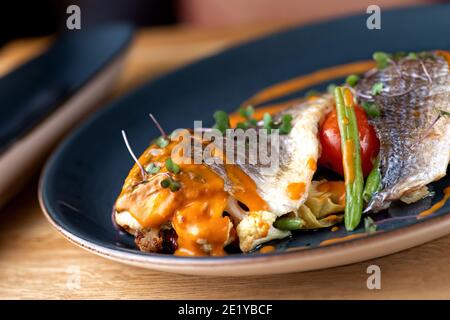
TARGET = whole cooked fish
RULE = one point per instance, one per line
(413, 126)
(284, 186)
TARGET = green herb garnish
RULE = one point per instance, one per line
(382, 59)
(152, 168)
(369, 225)
(286, 126)
(371, 109)
(413, 55)
(172, 166)
(330, 88)
(399, 55)
(426, 55)
(173, 185)
(222, 121)
(247, 112)
(377, 88)
(443, 113)
(421, 55)
(162, 142)
(267, 122)
(166, 183)
(352, 80)
(243, 125)
(312, 93)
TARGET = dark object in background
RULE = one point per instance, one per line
(27, 18)
(20, 18)
(37, 88)
(46, 97)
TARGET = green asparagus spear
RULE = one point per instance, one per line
(372, 181)
(351, 157)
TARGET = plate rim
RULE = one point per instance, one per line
(333, 255)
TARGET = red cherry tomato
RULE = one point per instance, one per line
(330, 139)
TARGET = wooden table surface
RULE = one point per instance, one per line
(36, 262)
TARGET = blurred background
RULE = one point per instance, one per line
(40, 17)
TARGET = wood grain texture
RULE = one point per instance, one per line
(35, 261)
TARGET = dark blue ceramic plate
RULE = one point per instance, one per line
(84, 176)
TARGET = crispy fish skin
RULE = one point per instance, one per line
(298, 154)
(413, 129)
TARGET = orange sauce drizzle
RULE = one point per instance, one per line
(345, 120)
(244, 189)
(348, 98)
(267, 249)
(312, 165)
(331, 217)
(196, 210)
(342, 239)
(292, 85)
(349, 150)
(295, 190)
(436, 206)
(445, 54)
(200, 226)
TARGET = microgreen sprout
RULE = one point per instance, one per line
(133, 155)
(371, 109)
(382, 59)
(222, 121)
(172, 166)
(352, 80)
(173, 185)
(377, 88)
(152, 168)
(369, 225)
